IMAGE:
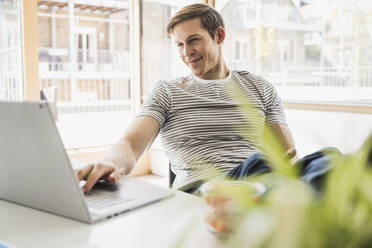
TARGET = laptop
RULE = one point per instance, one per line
(36, 172)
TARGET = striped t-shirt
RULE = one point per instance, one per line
(201, 126)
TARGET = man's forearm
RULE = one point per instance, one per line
(286, 139)
(122, 156)
(137, 139)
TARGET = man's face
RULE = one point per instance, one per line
(197, 49)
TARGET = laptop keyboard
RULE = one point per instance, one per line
(100, 200)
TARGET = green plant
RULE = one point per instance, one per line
(292, 214)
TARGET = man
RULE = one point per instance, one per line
(199, 122)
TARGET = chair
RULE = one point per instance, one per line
(172, 176)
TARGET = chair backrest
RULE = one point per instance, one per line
(172, 176)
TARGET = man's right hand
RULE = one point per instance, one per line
(138, 137)
(93, 172)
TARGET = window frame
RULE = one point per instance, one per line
(30, 50)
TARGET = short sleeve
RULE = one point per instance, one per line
(274, 110)
(157, 103)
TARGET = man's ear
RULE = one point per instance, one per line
(220, 35)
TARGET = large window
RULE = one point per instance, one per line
(317, 50)
(11, 71)
(84, 67)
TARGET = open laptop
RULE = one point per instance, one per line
(35, 170)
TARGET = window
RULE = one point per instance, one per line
(84, 66)
(313, 51)
(11, 70)
(160, 59)
(237, 50)
(241, 50)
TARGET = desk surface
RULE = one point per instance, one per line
(162, 224)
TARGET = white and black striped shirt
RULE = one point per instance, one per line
(201, 126)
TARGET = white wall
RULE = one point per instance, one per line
(313, 130)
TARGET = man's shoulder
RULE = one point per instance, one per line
(169, 86)
(252, 77)
(254, 81)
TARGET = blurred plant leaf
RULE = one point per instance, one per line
(269, 143)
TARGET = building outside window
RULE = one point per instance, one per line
(241, 50)
(89, 63)
(314, 51)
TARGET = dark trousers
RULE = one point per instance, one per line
(313, 168)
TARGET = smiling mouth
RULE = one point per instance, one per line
(195, 60)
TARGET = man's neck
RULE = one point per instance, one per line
(224, 72)
(220, 72)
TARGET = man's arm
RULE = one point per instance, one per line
(286, 138)
(122, 156)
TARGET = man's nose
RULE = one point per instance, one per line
(188, 51)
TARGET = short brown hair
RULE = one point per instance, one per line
(209, 17)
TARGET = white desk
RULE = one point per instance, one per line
(162, 224)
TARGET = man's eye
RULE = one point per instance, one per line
(193, 40)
